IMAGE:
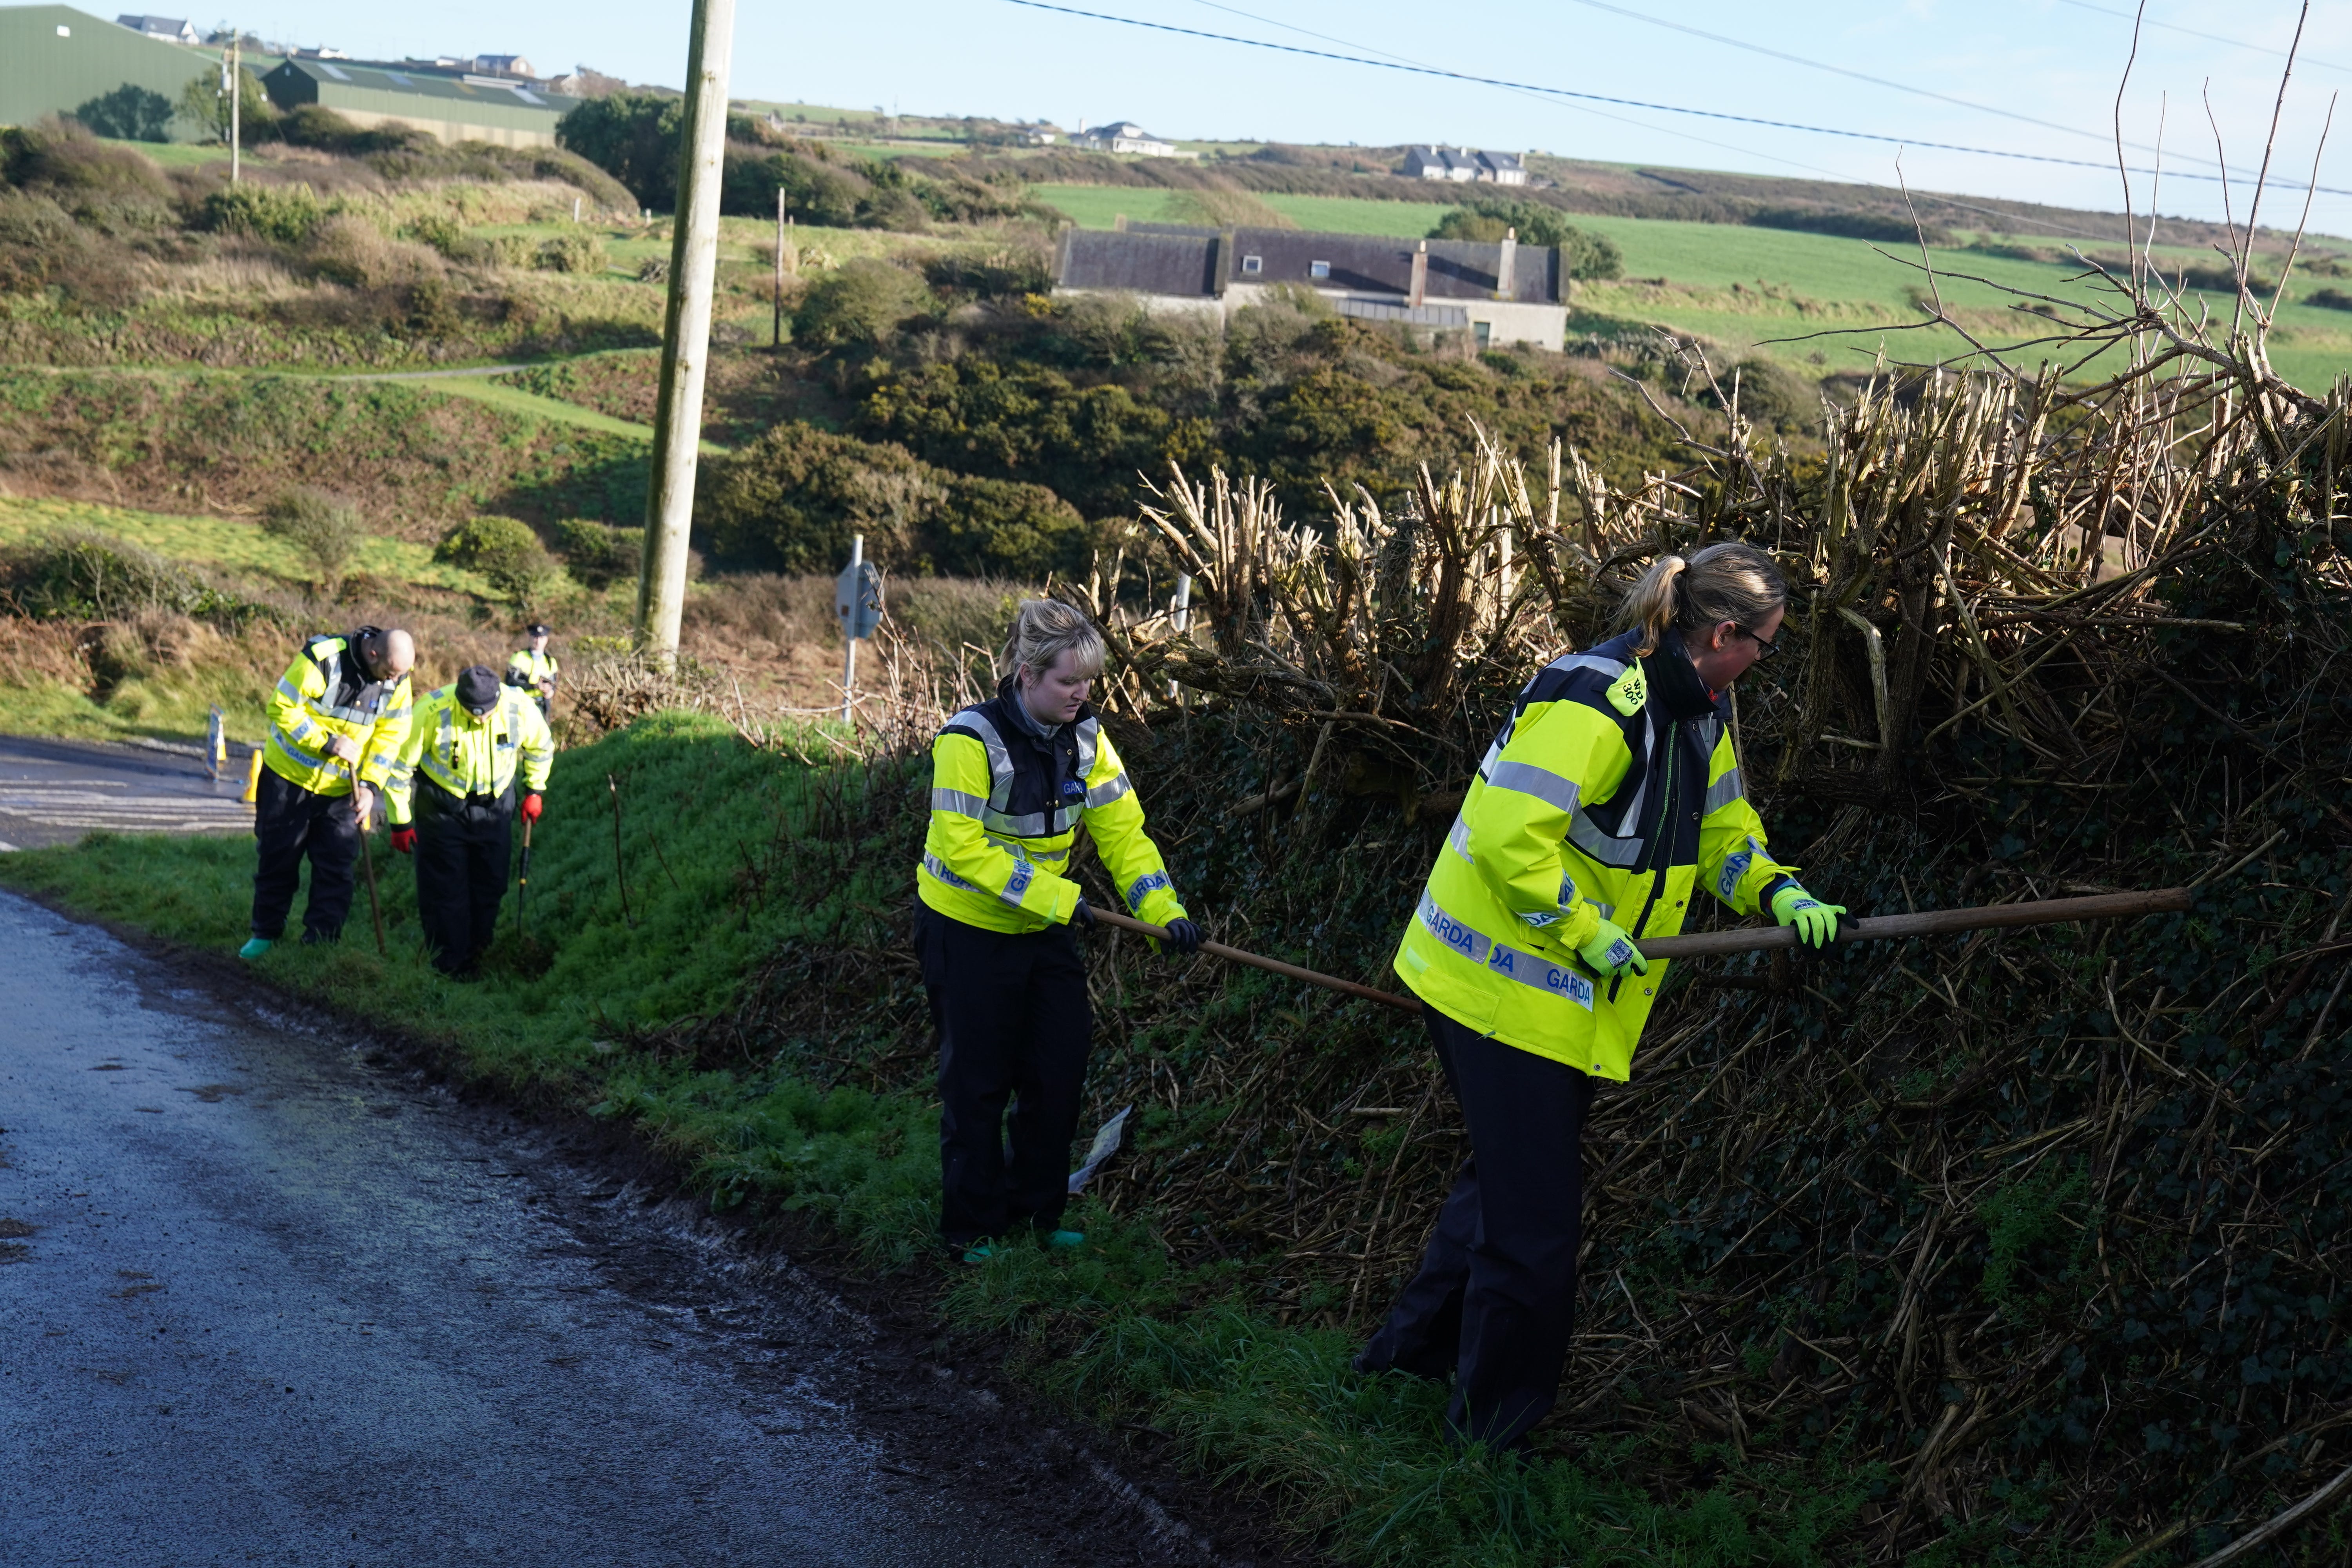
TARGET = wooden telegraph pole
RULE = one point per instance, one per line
(685, 334)
(230, 62)
(777, 339)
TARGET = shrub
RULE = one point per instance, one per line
(859, 306)
(2329, 299)
(1488, 219)
(82, 576)
(598, 553)
(574, 252)
(61, 159)
(283, 213)
(631, 136)
(442, 232)
(1886, 228)
(991, 275)
(505, 551)
(324, 530)
(205, 108)
(353, 251)
(998, 527)
(41, 246)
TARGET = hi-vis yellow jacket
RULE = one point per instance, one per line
(1006, 802)
(323, 694)
(534, 672)
(1612, 792)
(469, 756)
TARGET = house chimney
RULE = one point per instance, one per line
(1507, 268)
(1419, 277)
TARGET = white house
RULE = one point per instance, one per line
(170, 29)
(1126, 136)
(1463, 165)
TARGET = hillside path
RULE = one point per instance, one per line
(263, 1302)
(53, 792)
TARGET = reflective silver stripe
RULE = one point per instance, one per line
(1023, 874)
(1587, 835)
(1710, 735)
(288, 690)
(1541, 783)
(1495, 749)
(1569, 895)
(963, 803)
(1735, 866)
(304, 729)
(1150, 881)
(1722, 793)
(1022, 850)
(1028, 825)
(1089, 733)
(1000, 758)
(1109, 789)
(939, 867)
(1457, 839)
(1499, 957)
(1566, 662)
(1633, 812)
(295, 748)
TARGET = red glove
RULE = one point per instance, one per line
(530, 809)
(404, 840)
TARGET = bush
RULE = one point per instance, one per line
(2329, 299)
(285, 214)
(1885, 228)
(859, 306)
(61, 159)
(353, 251)
(505, 551)
(205, 108)
(575, 253)
(1488, 219)
(41, 247)
(324, 530)
(598, 553)
(81, 576)
(631, 136)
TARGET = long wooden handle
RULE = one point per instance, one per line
(1750, 938)
(1930, 923)
(1271, 965)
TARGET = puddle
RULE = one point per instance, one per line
(14, 1252)
(110, 1067)
(210, 1093)
(16, 1227)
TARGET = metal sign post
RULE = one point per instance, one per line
(215, 747)
(858, 602)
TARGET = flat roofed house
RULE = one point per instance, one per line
(469, 108)
(1499, 293)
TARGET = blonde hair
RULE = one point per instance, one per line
(1727, 581)
(1043, 630)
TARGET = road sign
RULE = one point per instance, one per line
(857, 598)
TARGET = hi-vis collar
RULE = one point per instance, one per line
(1629, 690)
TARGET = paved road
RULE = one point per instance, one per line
(260, 1303)
(53, 792)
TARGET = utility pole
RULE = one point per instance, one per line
(235, 88)
(686, 335)
(778, 341)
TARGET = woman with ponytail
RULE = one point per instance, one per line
(1609, 798)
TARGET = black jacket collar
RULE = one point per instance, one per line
(1675, 685)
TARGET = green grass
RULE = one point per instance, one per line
(228, 542)
(1121, 1330)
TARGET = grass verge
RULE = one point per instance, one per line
(627, 938)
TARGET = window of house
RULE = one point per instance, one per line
(1319, 270)
(1253, 264)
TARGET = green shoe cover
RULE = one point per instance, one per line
(979, 1252)
(255, 948)
(1065, 1240)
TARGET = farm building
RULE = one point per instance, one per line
(452, 108)
(1499, 293)
(1463, 165)
(55, 59)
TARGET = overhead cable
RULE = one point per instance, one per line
(2209, 37)
(1562, 92)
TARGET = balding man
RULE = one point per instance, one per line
(337, 722)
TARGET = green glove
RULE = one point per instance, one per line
(1611, 953)
(1816, 922)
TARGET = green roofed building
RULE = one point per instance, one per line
(451, 107)
(55, 59)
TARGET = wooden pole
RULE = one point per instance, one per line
(685, 334)
(235, 110)
(1931, 922)
(776, 340)
(1934, 922)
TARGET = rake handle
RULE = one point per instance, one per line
(1930, 923)
(1271, 965)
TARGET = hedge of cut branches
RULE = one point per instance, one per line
(2049, 1228)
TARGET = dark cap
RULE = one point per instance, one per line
(478, 690)
(537, 629)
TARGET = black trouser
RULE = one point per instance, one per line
(290, 822)
(1012, 1019)
(1496, 1296)
(463, 844)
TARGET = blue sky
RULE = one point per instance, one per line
(2050, 60)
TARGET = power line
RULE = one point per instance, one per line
(2209, 37)
(1631, 103)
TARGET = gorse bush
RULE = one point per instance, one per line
(79, 574)
(325, 530)
(598, 553)
(285, 214)
(861, 305)
(505, 551)
(575, 253)
(1582, 254)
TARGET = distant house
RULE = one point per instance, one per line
(1463, 165)
(1126, 136)
(170, 29)
(472, 107)
(503, 65)
(323, 53)
(1499, 293)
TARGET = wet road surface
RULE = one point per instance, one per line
(261, 1302)
(53, 792)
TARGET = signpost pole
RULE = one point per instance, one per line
(849, 626)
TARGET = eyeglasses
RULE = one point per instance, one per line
(1764, 649)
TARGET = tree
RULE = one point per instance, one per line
(204, 105)
(129, 113)
(325, 530)
(631, 136)
(1486, 219)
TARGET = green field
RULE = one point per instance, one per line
(224, 541)
(1744, 287)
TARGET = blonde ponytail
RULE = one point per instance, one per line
(1650, 607)
(1731, 582)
